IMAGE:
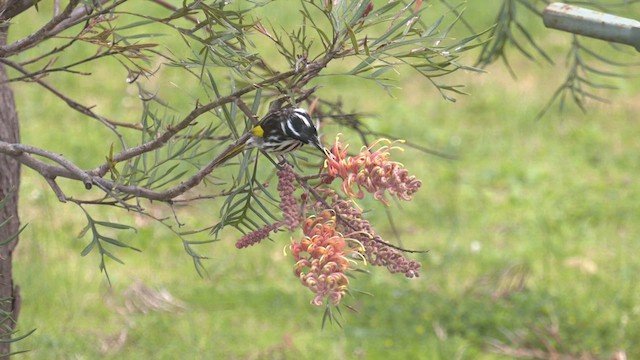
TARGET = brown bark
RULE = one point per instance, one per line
(9, 186)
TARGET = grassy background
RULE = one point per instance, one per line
(533, 236)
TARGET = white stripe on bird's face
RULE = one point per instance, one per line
(303, 115)
(283, 126)
(292, 128)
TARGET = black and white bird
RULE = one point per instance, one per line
(279, 132)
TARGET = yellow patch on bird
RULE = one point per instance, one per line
(258, 131)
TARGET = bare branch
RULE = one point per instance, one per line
(15, 8)
(71, 167)
(71, 171)
(56, 189)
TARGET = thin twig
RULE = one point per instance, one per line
(175, 215)
(245, 109)
(159, 141)
(56, 189)
(28, 76)
(117, 198)
(173, 8)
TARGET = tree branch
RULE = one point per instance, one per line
(17, 150)
(67, 169)
(56, 189)
(40, 35)
(192, 116)
(70, 16)
(15, 8)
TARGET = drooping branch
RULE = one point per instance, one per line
(67, 169)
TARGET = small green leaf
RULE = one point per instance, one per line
(115, 225)
(88, 248)
(354, 41)
(10, 238)
(14, 339)
(115, 242)
(110, 255)
(366, 46)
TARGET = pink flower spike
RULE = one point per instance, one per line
(375, 250)
(256, 236)
(288, 203)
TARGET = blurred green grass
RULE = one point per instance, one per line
(535, 226)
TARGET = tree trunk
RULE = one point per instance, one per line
(9, 186)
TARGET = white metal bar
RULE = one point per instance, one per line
(592, 23)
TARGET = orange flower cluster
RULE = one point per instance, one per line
(370, 170)
(320, 258)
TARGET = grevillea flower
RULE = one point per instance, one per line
(370, 170)
(288, 203)
(320, 258)
(256, 236)
(375, 250)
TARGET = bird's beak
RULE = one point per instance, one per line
(317, 144)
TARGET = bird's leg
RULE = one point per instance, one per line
(283, 161)
(280, 158)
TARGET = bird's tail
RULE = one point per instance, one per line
(231, 151)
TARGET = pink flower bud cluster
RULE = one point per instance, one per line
(375, 251)
(256, 236)
(320, 258)
(371, 171)
(288, 204)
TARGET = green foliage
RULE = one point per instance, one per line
(101, 241)
(176, 141)
(578, 84)
(219, 58)
(510, 30)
